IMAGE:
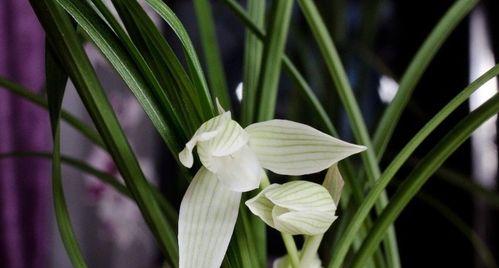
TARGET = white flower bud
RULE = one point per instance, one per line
(298, 207)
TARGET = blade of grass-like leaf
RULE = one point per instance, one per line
(80, 126)
(349, 234)
(212, 56)
(478, 244)
(107, 42)
(192, 59)
(273, 51)
(72, 57)
(56, 80)
(112, 181)
(429, 164)
(253, 49)
(311, 97)
(288, 66)
(164, 63)
(252, 59)
(158, 91)
(416, 68)
(352, 109)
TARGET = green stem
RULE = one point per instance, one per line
(309, 249)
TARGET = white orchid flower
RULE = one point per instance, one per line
(233, 159)
(297, 207)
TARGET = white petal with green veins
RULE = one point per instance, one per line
(290, 148)
(207, 218)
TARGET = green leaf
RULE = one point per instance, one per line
(212, 56)
(273, 51)
(208, 214)
(26, 94)
(64, 40)
(349, 234)
(359, 129)
(429, 164)
(120, 59)
(112, 181)
(305, 89)
(56, 79)
(192, 59)
(416, 68)
(164, 63)
(253, 49)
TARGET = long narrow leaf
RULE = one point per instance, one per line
(192, 59)
(273, 52)
(429, 164)
(416, 68)
(352, 109)
(110, 46)
(64, 40)
(56, 79)
(349, 234)
(164, 63)
(26, 94)
(252, 62)
(212, 56)
(104, 177)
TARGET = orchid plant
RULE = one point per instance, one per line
(229, 199)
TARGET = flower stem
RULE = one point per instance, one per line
(288, 240)
(309, 249)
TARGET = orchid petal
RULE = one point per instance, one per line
(207, 217)
(239, 171)
(261, 206)
(302, 222)
(334, 183)
(230, 138)
(301, 196)
(291, 148)
(207, 131)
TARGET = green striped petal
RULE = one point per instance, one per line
(207, 217)
(298, 207)
(290, 148)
